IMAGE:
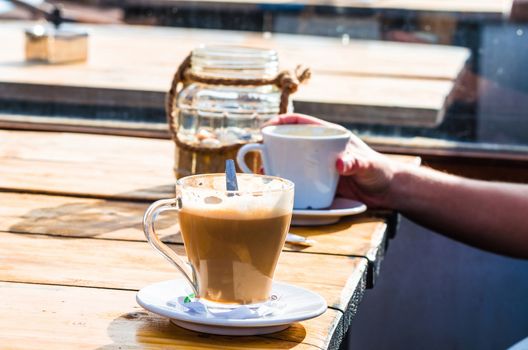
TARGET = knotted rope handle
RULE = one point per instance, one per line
(285, 81)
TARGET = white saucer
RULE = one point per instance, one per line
(299, 304)
(316, 217)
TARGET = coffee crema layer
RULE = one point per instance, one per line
(234, 255)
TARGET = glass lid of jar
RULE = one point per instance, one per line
(235, 62)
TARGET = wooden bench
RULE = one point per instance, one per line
(131, 67)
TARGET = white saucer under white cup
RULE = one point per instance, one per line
(298, 304)
(317, 217)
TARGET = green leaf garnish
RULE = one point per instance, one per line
(189, 298)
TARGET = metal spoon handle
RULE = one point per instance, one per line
(231, 179)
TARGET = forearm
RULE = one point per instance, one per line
(519, 11)
(492, 216)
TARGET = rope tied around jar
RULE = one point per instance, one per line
(287, 82)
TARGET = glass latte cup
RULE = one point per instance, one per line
(233, 239)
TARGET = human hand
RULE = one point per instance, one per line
(366, 175)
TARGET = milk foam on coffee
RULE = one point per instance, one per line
(260, 198)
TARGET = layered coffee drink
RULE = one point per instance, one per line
(233, 240)
(235, 257)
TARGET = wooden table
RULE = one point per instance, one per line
(131, 67)
(72, 251)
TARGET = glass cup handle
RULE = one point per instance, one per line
(148, 228)
(248, 148)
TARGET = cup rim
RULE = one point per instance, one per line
(289, 185)
(268, 130)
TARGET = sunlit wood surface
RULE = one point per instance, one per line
(132, 66)
(72, 253)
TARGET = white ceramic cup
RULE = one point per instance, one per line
(305, 154)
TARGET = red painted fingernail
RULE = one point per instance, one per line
(344, 164)
(347, 163)
(340, 165)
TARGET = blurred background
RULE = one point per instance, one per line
(445, 80)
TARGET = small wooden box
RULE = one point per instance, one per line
(56, 45)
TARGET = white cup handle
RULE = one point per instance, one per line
(248, 148)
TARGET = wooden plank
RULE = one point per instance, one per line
(78, 179)
(107, 219)
(87, 165)
(132, 265)
(80, 217)
(408, 102)
(159, 62)
(59, 317)
(391, 82)
(364, 235)
(417, 93)
(92, 150)
(118, 167)
(80, 125)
